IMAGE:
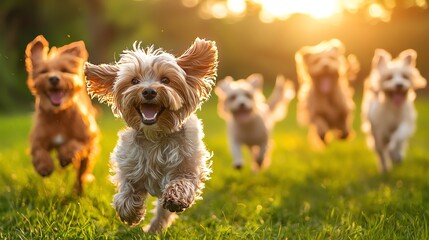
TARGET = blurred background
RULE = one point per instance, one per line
(252, 35)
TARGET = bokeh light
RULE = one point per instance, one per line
(271, 10)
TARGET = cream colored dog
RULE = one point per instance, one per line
(388, 112)
(161, 153)
(250, 117)
(325, 97)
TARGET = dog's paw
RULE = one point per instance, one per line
(130, 209)
(174, 206)
(396, 156)
(43, 164)
(322, 137)
(178, 196)
(238, 166)
(44, 168)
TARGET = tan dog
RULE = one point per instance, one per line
(388, 113)
(250, 118)
(161, 153)
(325, 97)
(64, 118)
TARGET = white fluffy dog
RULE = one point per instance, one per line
(250, 118)
(388, 111)
(161, 153)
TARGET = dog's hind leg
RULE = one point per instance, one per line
(163, 218)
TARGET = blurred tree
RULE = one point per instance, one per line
(246, 44)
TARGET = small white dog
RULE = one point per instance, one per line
(161, 153)
(388, 113)
(250, 118)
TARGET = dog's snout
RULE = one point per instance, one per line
(54, 80)
(399, 86)
(242, 105)
(149, 93)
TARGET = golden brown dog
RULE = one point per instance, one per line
(64, 118)
(325, 96)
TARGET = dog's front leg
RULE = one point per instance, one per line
(261, 155)
(398, 140)
(380, 148)
(235, 149)
(71, 151)
(129, 202)
(42, 160)
(322, 127)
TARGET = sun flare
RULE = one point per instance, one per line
(271, 10)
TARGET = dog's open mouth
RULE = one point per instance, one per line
(397, 97)
(150, 113)
(325, 82)
(242, 114)
(56, 96)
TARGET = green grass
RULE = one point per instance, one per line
(305, 194)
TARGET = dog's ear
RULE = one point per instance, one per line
(100, 80)
(409, 58)
(380, 59)
(336, 46)
(76, 49)
(223, 86)
(200, 65)
(36, 51)
(256, 80)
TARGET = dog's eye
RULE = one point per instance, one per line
(64, 70)
(44, 70)
(389, 77)
(248, 95)
(232, 97)
(165, 80)
(135, 81)
(404, 75)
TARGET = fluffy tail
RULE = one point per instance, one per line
(283, 93)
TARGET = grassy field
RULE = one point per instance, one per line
(305, 194)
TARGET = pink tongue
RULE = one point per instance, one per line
(56, 97)
(325, 84)
(149, 110)
(241, 115)
(398, 98)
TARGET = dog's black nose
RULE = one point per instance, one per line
(399, 86)
(54, 80)
(149, 93)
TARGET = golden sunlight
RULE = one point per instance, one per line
(271, 10)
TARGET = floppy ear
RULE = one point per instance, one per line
(36, 51)
(76, 49)
(256, 80)
(200, 65)
(100, 80)
(223, 86)
(409, 57)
